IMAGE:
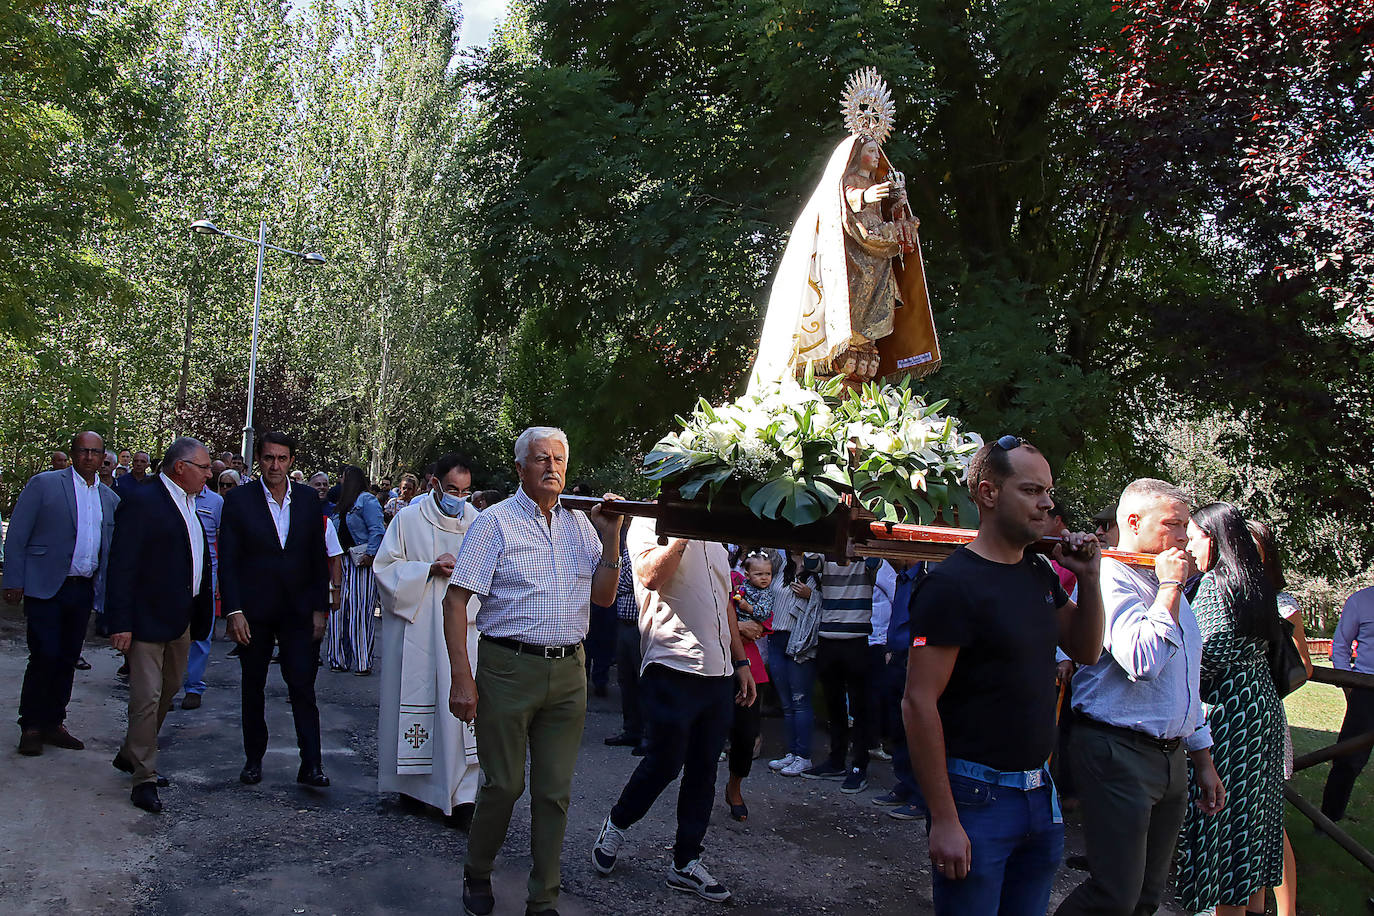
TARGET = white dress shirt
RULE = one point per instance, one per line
(281, 512)
(89, 517)
(186, 505)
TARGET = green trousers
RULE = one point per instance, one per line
(526, 701)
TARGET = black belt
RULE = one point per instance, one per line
(525, 648)
(1167, 745)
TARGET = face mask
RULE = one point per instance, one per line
(451, 505)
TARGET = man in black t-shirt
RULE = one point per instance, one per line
(980, 694)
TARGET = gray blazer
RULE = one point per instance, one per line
(42, 536)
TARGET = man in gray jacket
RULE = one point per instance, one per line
(55, 557)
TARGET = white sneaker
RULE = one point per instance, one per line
(698, 880)
(796, 767)
(879, 753)
(607, 846)
(782, 762)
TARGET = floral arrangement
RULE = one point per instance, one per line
(791, 451)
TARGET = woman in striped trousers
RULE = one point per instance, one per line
(353, 628)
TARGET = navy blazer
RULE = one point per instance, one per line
(41, 537)
(260, 577)
(149, 590)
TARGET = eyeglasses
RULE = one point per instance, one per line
(1009, 443)
(197, 464)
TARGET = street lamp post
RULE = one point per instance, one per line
(205, 227)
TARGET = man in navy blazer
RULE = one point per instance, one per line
(56, 554)
(159, 597)
(274, 585)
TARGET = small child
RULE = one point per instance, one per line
(753, 600)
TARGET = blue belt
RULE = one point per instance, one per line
(1022, 780)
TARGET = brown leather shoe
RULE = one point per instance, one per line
(190, 701)
(60, 737)
(30, 742)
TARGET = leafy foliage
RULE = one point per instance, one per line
(790, 451)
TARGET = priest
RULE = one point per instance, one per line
(423, 751)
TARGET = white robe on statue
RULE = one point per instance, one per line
(423, 750)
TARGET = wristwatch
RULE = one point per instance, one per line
(741, 663)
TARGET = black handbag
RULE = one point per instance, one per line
(1285, 664)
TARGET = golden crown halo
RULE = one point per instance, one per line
(867, 105)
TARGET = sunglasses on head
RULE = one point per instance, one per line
(1008, 443)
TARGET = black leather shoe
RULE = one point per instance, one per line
(313, 776)
(549, 912)
(30, 742)
(125, 765)
(251, 774)
(190, 701)
(623, 739)
(477, 897)
(145, 796)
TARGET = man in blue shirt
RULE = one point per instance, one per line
(1356, 625)
(209, 505)
(904, 801)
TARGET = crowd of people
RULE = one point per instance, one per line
(1003, 684)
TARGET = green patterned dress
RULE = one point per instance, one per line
(1223, 859)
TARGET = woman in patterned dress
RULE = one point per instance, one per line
(1285, 894)
(1227, 860)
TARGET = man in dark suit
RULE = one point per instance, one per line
(55, 561)
(158, 599)
(274, 585)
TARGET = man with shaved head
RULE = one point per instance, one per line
(138, 472)
(56, 554)
(1139, 711)
(60, 461)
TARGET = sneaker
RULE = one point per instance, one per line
(824, 770)
(477, 896)
(607, 846)
(889, 800)
(907, 812)
(856, 781)
(781, 763)
(698, 880)
(879, 753)
(797, 767)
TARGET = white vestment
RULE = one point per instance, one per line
(423, 750)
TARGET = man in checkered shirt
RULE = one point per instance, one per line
(536, 568)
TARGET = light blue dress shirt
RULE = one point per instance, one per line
(1356, 625)
(1147, 678)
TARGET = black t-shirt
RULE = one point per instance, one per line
(998, 708)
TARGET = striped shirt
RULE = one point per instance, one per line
(847, 599)
(534, 578)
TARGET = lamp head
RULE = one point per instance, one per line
(313, 257)
(205, 227)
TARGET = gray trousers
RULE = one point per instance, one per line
(1134, 797)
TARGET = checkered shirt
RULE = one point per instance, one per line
(534, 579)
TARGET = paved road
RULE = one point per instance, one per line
(72, 843)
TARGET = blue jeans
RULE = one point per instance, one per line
(1016, 845)
(794, 682)
(197, 657)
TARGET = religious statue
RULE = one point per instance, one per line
(850, 293)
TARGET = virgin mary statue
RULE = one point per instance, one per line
(850, 293)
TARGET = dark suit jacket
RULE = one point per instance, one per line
(260, 577)
(149, 588)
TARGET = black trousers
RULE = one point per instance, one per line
(1340, 782)
(627, 659)
(300, 660)
(842, 667)
(744, 731)
(600, 644)
(56, 631)
(687, 717)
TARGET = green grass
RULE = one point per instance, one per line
(1330, 882)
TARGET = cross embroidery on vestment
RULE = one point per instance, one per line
(416, 736)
